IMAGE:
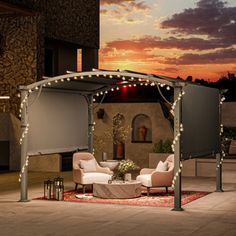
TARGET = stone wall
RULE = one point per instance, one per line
(18, 62)
(137, 152)
(22, 40)
(74, 21)
(229, 114)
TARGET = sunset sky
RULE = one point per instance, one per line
(169, 37)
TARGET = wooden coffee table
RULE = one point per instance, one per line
(117, 189)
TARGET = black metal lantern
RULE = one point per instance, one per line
(58, 189)
(48, 189)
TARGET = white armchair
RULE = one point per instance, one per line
(153, 178)
(86, 170)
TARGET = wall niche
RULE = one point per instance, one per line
(141, 129)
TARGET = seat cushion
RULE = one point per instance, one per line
(145, 180)
(94, 177)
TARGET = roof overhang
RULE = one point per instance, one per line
(8, 9)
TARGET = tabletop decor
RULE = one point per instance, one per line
(124, 167)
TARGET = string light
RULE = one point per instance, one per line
(221, 133)
(177, 175)
(177, 137)
(181, 94)
(22, 104)
(222, 100)
(23, 168)
(221, 159)
(221, 129)
(24, 133)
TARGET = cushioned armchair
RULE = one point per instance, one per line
(155, 178)
(86, 170)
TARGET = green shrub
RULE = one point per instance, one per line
(167, 146)
(163, 146)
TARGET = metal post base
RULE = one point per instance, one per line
(219, 190)
(24, 201)
(177, 209)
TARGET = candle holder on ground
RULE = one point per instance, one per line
(48, 194)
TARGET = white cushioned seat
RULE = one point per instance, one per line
(93, 177)
(145, 180)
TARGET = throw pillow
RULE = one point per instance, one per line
(88, 165)
(162, 166)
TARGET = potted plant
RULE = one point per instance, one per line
(124, 167)
(119, 134)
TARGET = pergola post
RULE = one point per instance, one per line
(218, 157)
(90, 123)
(177, 152)
(24, 148)
(218, 173)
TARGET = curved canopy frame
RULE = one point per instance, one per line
(99, 82)
(96, 81)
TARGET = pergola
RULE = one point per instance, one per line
(196, 111)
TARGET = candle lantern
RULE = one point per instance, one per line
(58, 189)
(48, 189)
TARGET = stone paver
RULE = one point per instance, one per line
(213, 214)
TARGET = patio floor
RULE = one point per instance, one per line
(214, 214)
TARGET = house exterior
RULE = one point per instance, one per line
(42, 38)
